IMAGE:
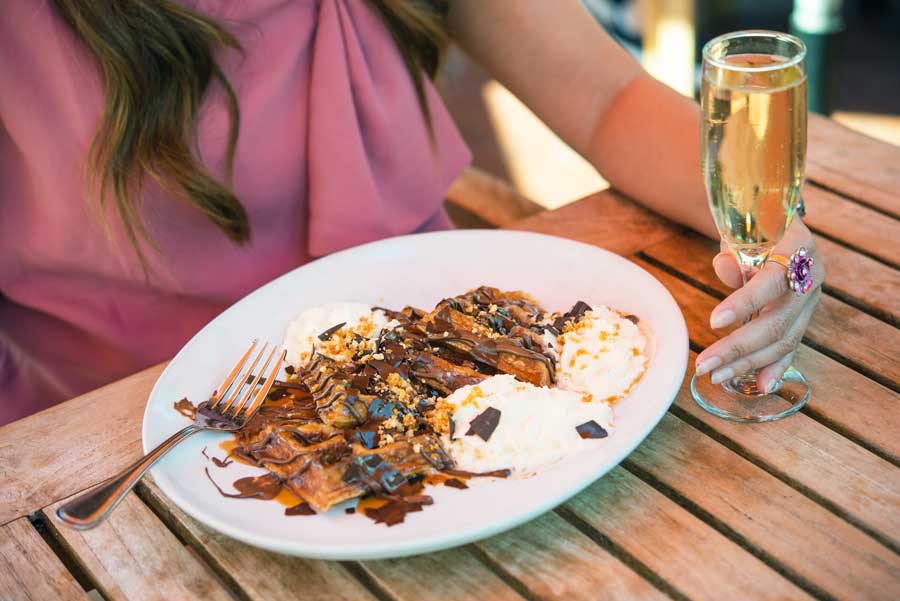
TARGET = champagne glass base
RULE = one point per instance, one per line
(738, 399)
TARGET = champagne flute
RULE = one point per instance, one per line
(753, 139)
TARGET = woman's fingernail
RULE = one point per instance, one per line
(720, 376)
(721, 319)
(707, 365)
(772, 385)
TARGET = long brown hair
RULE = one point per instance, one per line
(157, 61)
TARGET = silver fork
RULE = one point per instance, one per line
(222, 412)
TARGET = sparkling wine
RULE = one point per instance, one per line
(753, 141)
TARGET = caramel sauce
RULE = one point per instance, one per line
(229, 446)
(287, 498)
(371, 502)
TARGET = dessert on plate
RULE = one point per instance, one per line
(378, 403)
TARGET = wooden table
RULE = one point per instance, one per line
(808, 507)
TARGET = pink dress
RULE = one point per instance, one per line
(333, 152)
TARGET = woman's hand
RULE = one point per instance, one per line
(767, 343)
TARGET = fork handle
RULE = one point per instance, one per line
(92, 507)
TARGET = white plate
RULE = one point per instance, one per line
(419, 270)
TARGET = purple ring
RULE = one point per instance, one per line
(799, 271)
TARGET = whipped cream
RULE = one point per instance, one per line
(602, 354)
(536, 425)
(360, 320)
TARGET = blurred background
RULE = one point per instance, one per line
(853, 65)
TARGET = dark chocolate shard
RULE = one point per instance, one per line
(330, 331)
(366, 438)
(574, 314)
(456, 483)
(591, 429)
(300, 509)
(633, 319)
(484, 423)
(373, 473)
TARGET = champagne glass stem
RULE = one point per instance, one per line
(750, 261)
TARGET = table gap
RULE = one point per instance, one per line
(855, 249)
(357, 571)
(861, 305)
(872, 207)
(507, 578)
(600, 539)
(862, 369)
(747, 454)
(184, 536)
(815, 415)
(39, 521)
(726, 530)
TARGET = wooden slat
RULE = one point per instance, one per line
(858, 484)
(856, 165)
(605, 219)
(452, 574)
(696, 560)
(864, 340)
(132, 556)
(860, 280)
(824, 551)
(853, 224)
(870, 412)
(491, 199)
(538, 553)
(72, 446)
(29, 571)
(869, 283)
(261, 575)
(551, 543)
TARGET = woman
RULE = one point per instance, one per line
(159, 159)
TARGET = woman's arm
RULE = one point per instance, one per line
(642, 136)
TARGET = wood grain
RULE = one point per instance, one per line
(133, 556)
(29, 571)
(491, 199)
(853, 224)
(861, 281)
(261, 575)
(845, 330)
(538, 553)
(857, 165)
(606, 219)
(870, 413)
(854, 482)
(72, 446)
(695, 559)
(813, 544)
(451, 574)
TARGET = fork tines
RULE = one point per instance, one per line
(236, 405)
